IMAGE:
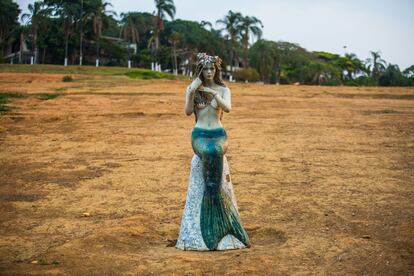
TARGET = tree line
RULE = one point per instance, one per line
(89, 32)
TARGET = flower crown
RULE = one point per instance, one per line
(203, 58)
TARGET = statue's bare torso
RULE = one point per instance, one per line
(209, 116)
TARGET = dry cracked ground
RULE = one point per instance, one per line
(94, 181)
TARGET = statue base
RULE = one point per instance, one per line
(190, 237)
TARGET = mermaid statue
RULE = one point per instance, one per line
(210, 219)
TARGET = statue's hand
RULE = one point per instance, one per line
(195, 84)
(208, 90)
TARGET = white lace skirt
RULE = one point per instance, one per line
(190, 237)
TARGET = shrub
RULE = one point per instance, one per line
(148, 74)
(362, 81)
(4, 99)
(67, 79)
(331, 82)
(46, 96)
(4, 108)
(247, 74)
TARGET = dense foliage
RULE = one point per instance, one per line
(59, 30)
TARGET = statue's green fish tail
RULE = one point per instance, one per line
(219, 218)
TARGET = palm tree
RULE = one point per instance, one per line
(97, 14)
(232, 25)
(36, 15)
(174, 38)
(129, 31)
(67, 22)
(8, 21)
(353, 65)
(81, 34)
(22, 31)
(251, 26)
(376, 65)
(163, 8)
(206, 24)
(66, 11)
(409, 72)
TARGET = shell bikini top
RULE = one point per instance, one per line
(201, 101)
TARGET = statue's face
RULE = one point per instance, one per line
(209, 71)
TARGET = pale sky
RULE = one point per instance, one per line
(317, 25)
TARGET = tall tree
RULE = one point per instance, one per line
(409, 72)
(352, 65)
(67, 16)
(8, 21)
(232, 25)
(286, 55)
(97, 16)
(163, 8)
(174, 38)
(206, 24)
(193, 38)
(36, 17)
(129, 32)
(391, 76)
(262, 58)
(251, 27)
(376, 65)
(67, 12)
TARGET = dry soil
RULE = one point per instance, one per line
(94, 181)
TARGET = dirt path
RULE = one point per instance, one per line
(323, 177)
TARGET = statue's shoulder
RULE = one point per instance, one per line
(224, 89)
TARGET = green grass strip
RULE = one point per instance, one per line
(91, 70)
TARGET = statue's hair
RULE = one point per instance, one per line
(202, 60)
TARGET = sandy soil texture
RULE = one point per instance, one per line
(94, 181)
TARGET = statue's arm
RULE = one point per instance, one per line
(189, 96)
(223, 101)
(189, 101)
